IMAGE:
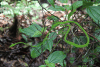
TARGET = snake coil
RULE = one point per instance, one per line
(69, 42)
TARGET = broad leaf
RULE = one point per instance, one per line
(54, 18)
(57, 8)
(63, 1)
(63, 64)
(56, 57)
(97, 49)
(46, 61)
(87, 4)
(77, 4)
(51, 2)
(48, 44)
(72, 59)
(86, 59)
(24, 37)
(83, 39)
(33, 30)
(67, 7)
(48, 64)
(97, 34)
(53, 35)
(70, 14)
(91, 62)
(36, 51)
(94, 12)
(51, 65)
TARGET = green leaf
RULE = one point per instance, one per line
(87, 4)
(46, 61)
(63, 1)
(38, 27)
(83, 39)
(91, 62)
(56, 57)
(76, 41)
(97, 49)
(35, 52)
(63, 64)
(51, 65)
(70, 14)
(48, 44)
(54, 18)
(72, 59)
(8, 6)
(94, 12)
(57, 8)
(24, 2)
(20, 4)
(80, 40)
(37, 34)
(51, 2)
(24, 37)
(79, 66)
(43, 66)
(4, 3)
(85, 59)
(67, 7)
(53, 35)
(48, 64)
(97, 34)
(97, 31)
(34, 18)
(33, 30)
(43, 29)
(1, 29)
(77, 4)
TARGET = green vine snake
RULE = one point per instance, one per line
(69, 42)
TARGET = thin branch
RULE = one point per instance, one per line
(93, 36)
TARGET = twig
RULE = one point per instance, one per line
(93, 36)
(46, 9)
(96, 23)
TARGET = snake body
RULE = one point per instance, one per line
(69, 42)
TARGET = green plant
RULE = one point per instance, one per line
(21, 7)
(36, 33)
(47, 42)
(55, 57)
(48, 64)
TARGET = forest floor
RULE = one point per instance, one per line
(18, 56)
